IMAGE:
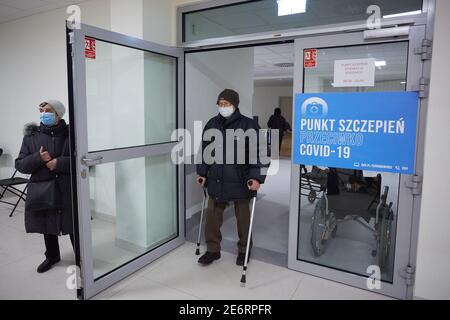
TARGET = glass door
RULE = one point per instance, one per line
(126, 100)
(337, 234)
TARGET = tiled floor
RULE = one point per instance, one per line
(177, 276)
(21, 253)
(174, 276)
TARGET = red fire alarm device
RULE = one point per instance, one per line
(310, 58)
(89, 49)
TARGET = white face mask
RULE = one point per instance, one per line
(226, 111)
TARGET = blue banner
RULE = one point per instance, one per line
(362, 131)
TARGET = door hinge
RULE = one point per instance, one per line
(426, 50)
(71, 42)
(415, 184)
(409, 274)
(71, 37)
(423, 88)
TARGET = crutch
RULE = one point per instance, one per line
(205, 197)
(244, 268)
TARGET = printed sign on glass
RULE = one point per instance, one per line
(354, 73)
(363, 131)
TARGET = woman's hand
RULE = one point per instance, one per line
(45, 156)
(51, 165)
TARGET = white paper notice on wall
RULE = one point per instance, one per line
(354, 73)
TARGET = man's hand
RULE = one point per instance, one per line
(201, 181)
(45, 156)
(51, 165)
(253, 185)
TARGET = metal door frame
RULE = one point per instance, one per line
(289, 34)
(79, 143)
(408, 213)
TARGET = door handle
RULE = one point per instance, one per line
(91, 161)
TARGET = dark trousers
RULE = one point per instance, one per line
(52, 246)
(214, 220)
(281, 141)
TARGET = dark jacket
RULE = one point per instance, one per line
(227, 182)
(55, 140)
(277, 121)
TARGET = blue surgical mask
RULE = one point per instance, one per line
(48, 119)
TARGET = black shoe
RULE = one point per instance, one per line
(241, 258)
(208, 258)
(46, 265)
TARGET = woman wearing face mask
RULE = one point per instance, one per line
(45, 155)
(229, 182)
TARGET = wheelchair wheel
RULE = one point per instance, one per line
(333, 233)
(312, 196)
(384, 241)
(318, 227)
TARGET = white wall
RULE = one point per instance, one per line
(265, 100)
(33, 68)
(33, 58)
(433, 258)
(207, 74)
(160, 20)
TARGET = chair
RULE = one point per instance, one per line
(10, 185)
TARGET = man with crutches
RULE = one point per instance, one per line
(229, 182)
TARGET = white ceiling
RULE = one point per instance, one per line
(16, 9)
(266, 58)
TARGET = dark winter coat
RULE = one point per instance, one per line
(55, 140)
(277, 121)
(227, 182)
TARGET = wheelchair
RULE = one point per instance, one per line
(325, 221)
(312, 182)
(384, 222)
